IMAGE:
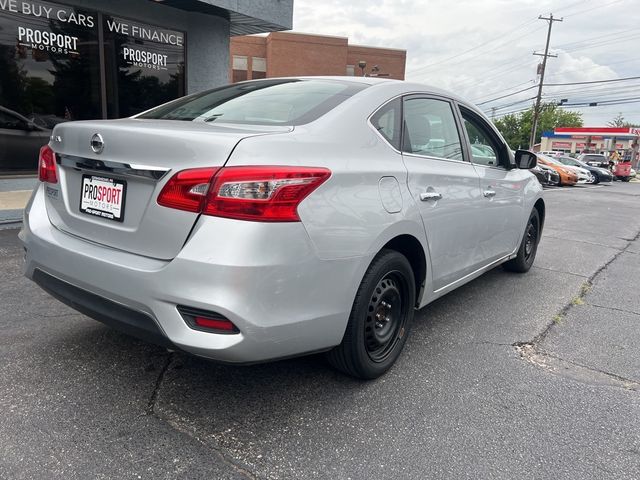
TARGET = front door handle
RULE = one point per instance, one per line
(430, 196)
(489, 193)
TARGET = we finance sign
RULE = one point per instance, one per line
(145, 46)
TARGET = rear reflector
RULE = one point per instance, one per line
(207, 321)
(47, 165)
(214, 324)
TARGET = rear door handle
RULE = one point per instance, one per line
(430, 196)
(489, 193)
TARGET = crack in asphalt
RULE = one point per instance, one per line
(560, 271)
(178, 427)
(575, 370)
(531, 352)
(621, 310)
(151, 411)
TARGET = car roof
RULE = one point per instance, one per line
(391, 83)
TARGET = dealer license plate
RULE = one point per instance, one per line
(103, 197)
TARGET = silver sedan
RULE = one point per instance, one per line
(280, 217)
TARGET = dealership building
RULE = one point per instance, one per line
(88, 59)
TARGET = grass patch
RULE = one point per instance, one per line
(586, 286)
(557, 318)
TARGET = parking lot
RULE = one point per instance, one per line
(510, 376)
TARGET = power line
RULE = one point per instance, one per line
(493, 109)
(501, 37)
(593, 67)
(606, 35)
(590, 9)
(611, 80)
(507, 95)
(507, 88)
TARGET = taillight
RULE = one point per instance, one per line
(187, 190)
(265, 194)
(47, 165)
(260, 193)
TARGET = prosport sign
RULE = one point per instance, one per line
(47, 41)
(145, 59)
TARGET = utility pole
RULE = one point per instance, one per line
(493, 113)
(545, 55)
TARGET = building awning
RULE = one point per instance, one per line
(618, 132)
(246, 17)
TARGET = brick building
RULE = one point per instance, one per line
(283, 54)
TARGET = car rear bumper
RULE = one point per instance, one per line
(265, 278)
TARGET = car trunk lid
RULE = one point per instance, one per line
(136, 159)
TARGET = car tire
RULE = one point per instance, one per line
(528, 247)
(380, 318)
(596, 179)
(626, 179)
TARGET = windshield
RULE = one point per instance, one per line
(575, 161)
(264, 102)
(552, 160)
(593, 158)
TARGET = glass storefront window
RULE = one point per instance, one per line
(144, 66)
(51, 71)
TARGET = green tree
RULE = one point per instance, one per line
(516, 128)
(620, 122)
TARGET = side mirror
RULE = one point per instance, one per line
(525, 159)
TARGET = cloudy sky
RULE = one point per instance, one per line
(483, 49)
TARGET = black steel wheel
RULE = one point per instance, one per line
(528, 247)
(380, 318)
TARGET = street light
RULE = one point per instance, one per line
(362, 64)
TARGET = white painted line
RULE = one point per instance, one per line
(574, 188)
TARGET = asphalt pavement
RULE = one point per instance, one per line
(511, 376)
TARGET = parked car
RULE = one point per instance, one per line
(541, 175)
(274, 218)
(594, 159)
(567, 176)
(553, 178)
(584, 176)
(622, 171)
(20, 141)
(599, 174)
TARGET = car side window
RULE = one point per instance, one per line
(430, 129)
(387, 121)
(484, 148)
(11, 122)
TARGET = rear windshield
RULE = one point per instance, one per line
(263, 102)
(593, 158)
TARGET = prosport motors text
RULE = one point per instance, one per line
(49, 41)
(144, 59)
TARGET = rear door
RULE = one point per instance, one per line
(444, 185)
(502, 188)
